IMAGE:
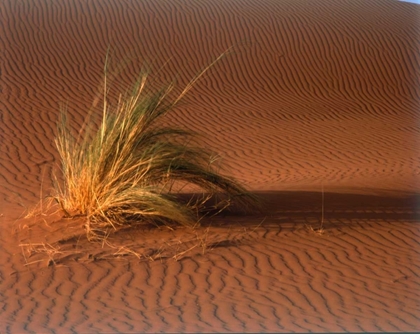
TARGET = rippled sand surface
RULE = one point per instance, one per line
(316, 109)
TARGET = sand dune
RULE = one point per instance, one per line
(311, 97)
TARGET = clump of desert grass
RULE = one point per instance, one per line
(124, 171)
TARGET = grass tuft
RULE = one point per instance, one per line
(124, 171)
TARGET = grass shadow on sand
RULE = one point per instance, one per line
(57, 240)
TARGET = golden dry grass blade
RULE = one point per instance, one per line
(119, 174)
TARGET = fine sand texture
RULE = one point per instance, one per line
(315, 108)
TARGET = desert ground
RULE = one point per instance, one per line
(315, 109)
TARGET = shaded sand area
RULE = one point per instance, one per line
(312, 96)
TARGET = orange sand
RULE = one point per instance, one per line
(314, 93)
